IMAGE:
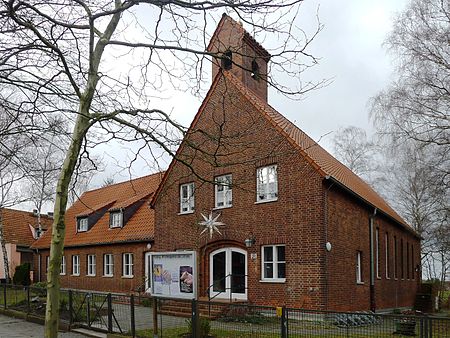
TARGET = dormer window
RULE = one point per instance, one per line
(255, 70)
(82, 224)
(227, 60)
(115, 219)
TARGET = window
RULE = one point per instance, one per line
(224, 196)
(108, 265)
(76, 265)
(413, 272)
(274, 263)
(266, 183)
(402, 266)
(91, 265)
(82, 223)
(377, 252)
(255, 70)
(395, 258)
(127, 264)
(359, 267)
(227, 60)
(47, 264)
(116, 219)
(62, 269)
(187, 198)
(407, 260)
(388, 272)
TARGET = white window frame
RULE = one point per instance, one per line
(274, 263)
(359, 276)
(48, 264)
(108, 265)
(387, 258)
(223, 191)
(82, 224)
(116, 219)
(267, 183)
(127, 265)
(75, 265)
(187, 202)
(62, 269)
(91, 265)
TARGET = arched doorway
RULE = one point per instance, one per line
(228, 273)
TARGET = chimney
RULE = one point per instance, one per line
(35, 212)
(50, 214)
(240, 54)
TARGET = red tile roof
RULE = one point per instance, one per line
(139, 227)
(323, 161)
(18, 224)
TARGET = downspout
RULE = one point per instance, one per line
(372, 263)
(326, 241)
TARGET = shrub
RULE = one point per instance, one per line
(22, 274)
(204, 324)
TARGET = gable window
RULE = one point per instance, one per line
(108, 265)
(273, 263)
(91, 265)
(255, 70)
(224, 196)
(62, 269)
(266, 183)
(82, 224)
(359, 277)
(116, 219)
(187, 202)
(75, 265)
(227, 60)
(127, 261)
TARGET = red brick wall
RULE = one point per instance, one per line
(117, 283)
(348, 232)
(295, 219)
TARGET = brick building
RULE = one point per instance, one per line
(108, 231)
(20, 230)
(300, 228)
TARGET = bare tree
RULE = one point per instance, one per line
(100, 65)
(417, 104)
(353, 148)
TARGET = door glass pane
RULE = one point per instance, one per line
(219, 272)
(238, 272)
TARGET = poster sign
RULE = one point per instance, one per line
(173, 274)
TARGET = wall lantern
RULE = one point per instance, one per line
(328, 246)
(250, 241)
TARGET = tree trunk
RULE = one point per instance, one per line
(58, 227)
(5, 253)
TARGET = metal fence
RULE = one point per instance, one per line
(136, 316)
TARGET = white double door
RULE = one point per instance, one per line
(228, 273)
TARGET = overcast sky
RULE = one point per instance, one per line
(351, 55)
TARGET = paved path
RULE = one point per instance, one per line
(18, 328)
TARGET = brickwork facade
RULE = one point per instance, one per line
(99, 282)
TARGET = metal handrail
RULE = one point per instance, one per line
(220, 292)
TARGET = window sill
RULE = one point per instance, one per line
(276, 281)
(186, 212)
(266, 201)
(108, 276)
(359, 283)
(225, 207)
(75, 275)
(128, 277)
(378, 277)
(62, 274)
(90, 275)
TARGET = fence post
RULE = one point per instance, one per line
(88, 309)
(194, 319)
(4, 295)
(133, 326)
(155, 317)
(110, 326)
(70, 309)
(28, 299)
(284, 333)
